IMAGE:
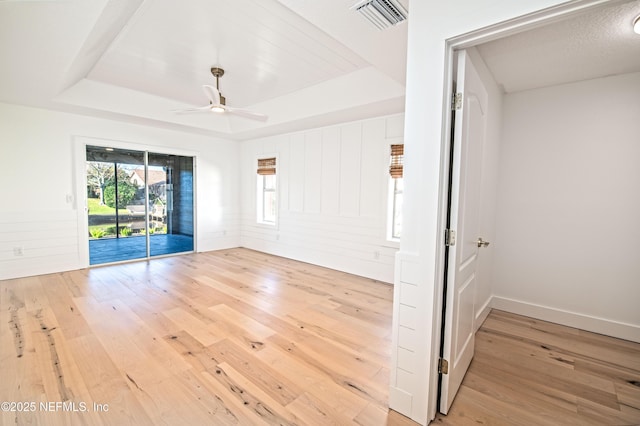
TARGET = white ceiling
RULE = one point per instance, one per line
(592, 44)
(300, 62)
(304, 63)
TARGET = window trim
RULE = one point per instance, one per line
(260, 192)
(391, 169)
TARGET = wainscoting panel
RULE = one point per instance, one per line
(33, 243)
(332, 189)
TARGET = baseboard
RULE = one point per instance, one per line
(373, 269)
(483, 313)
(571, 319)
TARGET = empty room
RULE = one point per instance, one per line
(292, 212)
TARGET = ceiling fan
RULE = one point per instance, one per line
(217, 102)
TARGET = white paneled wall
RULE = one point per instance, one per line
(332, 196)
(38, 241)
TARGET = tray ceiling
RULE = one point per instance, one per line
(138, 60)
(304, 63)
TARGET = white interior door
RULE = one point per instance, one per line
(466, 164)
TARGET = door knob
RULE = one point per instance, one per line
(482, 243)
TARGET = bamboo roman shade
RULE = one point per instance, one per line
(267, 166)
(397, 155)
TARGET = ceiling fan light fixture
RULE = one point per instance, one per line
(636, 25)
(217, 102)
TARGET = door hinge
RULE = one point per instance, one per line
(443, 366)
(449, 237)
(456, 101)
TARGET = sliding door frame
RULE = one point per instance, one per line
(79, 147)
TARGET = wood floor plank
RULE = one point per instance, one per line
(544, 402)
(64, 309)
(233, 405)
(238, 322)
(106, 383)
(527, 371)
(253, 397)
(522, 362)
(194, 326)
(341, 400)
(607, 415)
(474, 407)
(279, 387)
(360, 385)
(299, 372)
(312, 410)
(329, 329)
(570, 340)
(629, 396)
(129, 343)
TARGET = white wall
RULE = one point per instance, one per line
(568, 244)
(41, 210)
(333, 185)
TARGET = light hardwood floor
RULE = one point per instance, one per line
(241, 337)
(531, 372)
(228, 337)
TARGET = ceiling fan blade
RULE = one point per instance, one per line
(206, 108)
(212, 94)
(246, 114)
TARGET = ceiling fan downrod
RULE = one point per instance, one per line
(217, 73)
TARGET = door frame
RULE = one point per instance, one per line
(463, 41)
(79, 146)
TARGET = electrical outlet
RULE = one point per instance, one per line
(18, 251)
(376, 255)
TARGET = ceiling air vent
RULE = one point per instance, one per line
(381, 13)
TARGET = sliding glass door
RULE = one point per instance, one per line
(140, 204)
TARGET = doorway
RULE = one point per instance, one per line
(487, 296)
(139, 204)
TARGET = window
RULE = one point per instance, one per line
(396, 191)
(396, 224)
(266, 191)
